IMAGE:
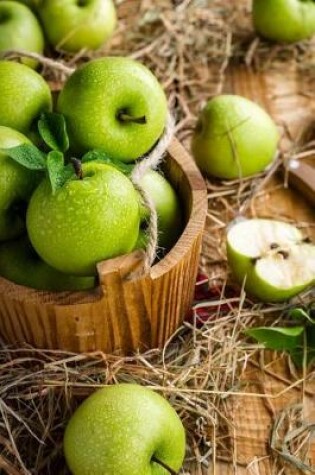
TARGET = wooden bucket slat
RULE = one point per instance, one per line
(129, 310)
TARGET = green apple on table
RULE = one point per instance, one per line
(114, 104)
(168, 208)
(124, 429)
(234, 138)
(94, 216)
(72, 25)
(16, 186)
(286, 21)
(20, 29)
(270, 258)
(24, 95)
(20, 264)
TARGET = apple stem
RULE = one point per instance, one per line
(77, 165)
(124, 117)
(169, 469)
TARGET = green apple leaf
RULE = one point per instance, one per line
(297, 354)
(53, 130)
(27, 155)
(278, 338)
(58, 173)
(101, 156)
(301, 314)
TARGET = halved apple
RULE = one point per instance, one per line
(270, 258)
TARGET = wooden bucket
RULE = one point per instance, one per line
(129, 310)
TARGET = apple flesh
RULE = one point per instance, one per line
(72, 25)
(168, 208)
(271, 258)
(20, 29)
(234, 138)
(113, 104)
(122, 430)
(286, 21)
(24, 96)
(20, 264)
(16, 186)
(86, 221)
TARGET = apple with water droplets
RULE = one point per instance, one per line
(113, 104)
(16, 186)
(94, 216)
(24, 96)
(124, 429)
(20, 264)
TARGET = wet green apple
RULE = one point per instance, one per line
(168, 207)
(234, 138)
(271, 258)
(114, 104)
(20, 29)
(72, 25)
(24, 96)
(16, 185)
(124, 429)
(85, 221)
(285, 21)
(29, 3)
(20, 264)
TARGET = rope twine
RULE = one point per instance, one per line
(149, 161)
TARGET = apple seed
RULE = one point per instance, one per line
(284, 254)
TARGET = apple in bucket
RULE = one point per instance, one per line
(114, 104)
(24, 96)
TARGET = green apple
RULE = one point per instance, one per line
(285, 21)
(168, 208)
(124, 429)
(33, 4)
(85, 221)
(24, 96)
(20, 264)
(113, 104)
(271, 258)
(72, 25)
(20, 29)
(234, 138)
(16, 185)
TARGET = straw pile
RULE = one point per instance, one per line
(202, 370)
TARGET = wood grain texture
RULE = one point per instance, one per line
(293, 111)
(283, 96)
(129, 310)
